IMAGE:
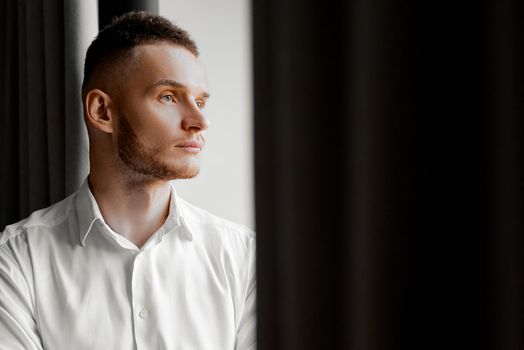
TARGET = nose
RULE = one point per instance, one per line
(194, 119)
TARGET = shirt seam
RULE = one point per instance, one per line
(15, 230)
(237, 231)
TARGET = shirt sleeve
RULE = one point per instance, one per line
(18, 327)
(247, 330)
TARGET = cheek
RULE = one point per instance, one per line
(154, 123)
(164, 135)
(158, 125)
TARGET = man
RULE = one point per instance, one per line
(124, 263)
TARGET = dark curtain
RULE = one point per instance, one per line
(32, 168)
(43, 141)
(389, 184)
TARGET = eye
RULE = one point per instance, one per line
(200, 104)
(168, 98)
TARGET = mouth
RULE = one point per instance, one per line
(191, 146)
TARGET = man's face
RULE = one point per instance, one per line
(160, 121)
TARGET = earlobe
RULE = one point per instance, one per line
(98, 110)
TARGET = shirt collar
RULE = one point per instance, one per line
(88, 212)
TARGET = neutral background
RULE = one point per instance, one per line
(222, 32)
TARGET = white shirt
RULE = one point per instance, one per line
(67, 281)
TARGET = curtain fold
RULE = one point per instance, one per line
(9, 140)
(25, 157)
(53, 94)
(80, 28)
(43, 154)
(507, 191)
(388, 147)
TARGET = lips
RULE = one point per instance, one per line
(191, 146)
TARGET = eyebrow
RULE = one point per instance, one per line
(174, 84)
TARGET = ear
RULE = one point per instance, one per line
(98, 112)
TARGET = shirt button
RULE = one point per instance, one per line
(143, 313)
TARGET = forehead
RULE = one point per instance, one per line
(153, 62)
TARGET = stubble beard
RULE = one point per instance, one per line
(143, 161)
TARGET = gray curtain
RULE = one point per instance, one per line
(80, 28)
(389, 174)
(43, 146)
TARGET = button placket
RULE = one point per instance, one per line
(138, 300)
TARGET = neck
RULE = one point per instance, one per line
(134, 208)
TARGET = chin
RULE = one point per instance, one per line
(186, 174)
(186, 170)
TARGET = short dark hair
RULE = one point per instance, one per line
(127, 31)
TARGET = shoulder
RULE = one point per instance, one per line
(41, 220)
(196, 215)
(216, 230)
(19, 244)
